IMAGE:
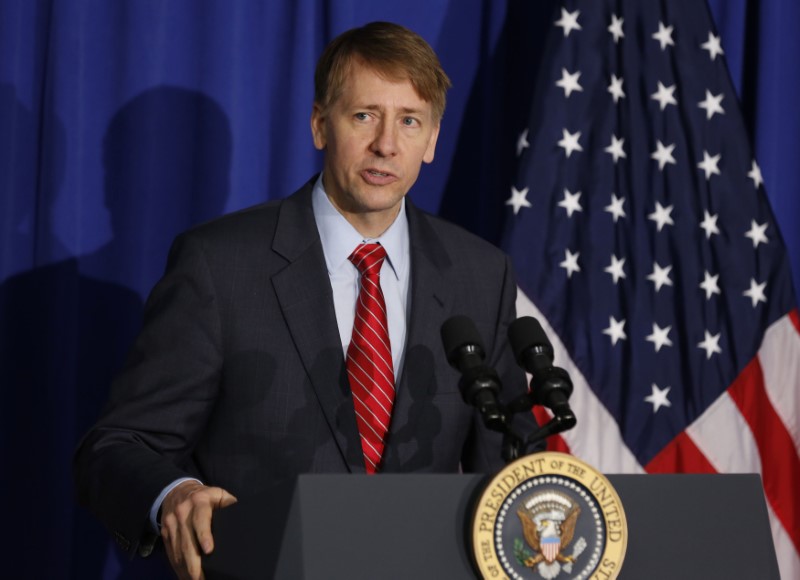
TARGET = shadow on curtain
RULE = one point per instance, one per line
(166, 159)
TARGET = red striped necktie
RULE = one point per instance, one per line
(369, 357)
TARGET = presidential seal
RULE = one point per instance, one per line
(549, 515)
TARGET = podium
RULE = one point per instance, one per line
(418, 526)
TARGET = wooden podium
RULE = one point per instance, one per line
(417, 526)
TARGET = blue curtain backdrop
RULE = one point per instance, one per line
(123, 123)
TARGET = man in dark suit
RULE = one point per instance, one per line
(241, 377)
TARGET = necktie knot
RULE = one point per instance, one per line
(368, 258)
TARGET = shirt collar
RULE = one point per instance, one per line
(339, 238)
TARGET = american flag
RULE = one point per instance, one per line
(644, 243)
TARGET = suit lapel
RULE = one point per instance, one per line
(304, 292)
(430, 290)
(430, 299)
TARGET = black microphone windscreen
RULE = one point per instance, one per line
(526, 333)
(457, 332)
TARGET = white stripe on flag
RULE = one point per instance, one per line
(724, 438)
(788, 559)
(780, 365)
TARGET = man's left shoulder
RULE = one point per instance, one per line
(456, 239)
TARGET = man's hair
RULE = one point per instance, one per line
(393, 52)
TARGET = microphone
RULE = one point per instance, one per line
(479, 383)
(550, 386)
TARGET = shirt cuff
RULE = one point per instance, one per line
(154, 523)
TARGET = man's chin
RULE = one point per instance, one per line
(379, 199)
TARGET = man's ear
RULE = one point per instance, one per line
(318, 127)
(428, 157)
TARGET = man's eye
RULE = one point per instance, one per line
(409, 121)
(361, 116)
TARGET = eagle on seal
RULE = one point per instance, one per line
(549, 527)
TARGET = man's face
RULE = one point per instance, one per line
(375, 136)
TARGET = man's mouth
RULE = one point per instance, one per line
(378, 178)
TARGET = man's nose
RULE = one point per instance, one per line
(385, 142)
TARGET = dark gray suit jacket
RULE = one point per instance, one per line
(238, 375)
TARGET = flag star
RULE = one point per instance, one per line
(571, 202)
(662, 216)
(713, 45)
(757, 233)
(710, 284)
(664, 95)
(660, 276)
(755, 175)
(568, 21)
(569, 82)
(664, 35)
(522, 142)
(616, 330)
(570, 263)
(615, 207)
(659, 337)
(615, 28)
(615, 268)
(710, 344)
(658, 398)
(663, 154)
(615, 149)
(709, 164)
(615, 88)
(709, 224)
(569, 142)
(756, 292)
(712, 104)
(518, 199)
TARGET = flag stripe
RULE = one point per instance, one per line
(795, 318)
(788, 558)
(780, 362)
(724, 438)
(782, 477)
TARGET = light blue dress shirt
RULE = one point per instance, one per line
(339, 239)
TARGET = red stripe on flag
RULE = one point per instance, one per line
(780, 465)
(795, 318)
(681, 455)
(554, 442)
(557, 443)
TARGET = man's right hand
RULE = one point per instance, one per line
(186, 525)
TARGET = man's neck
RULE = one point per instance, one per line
(371, 225)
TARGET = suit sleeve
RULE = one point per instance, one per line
(159, 403)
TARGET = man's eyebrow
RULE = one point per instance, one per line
(406, 110)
